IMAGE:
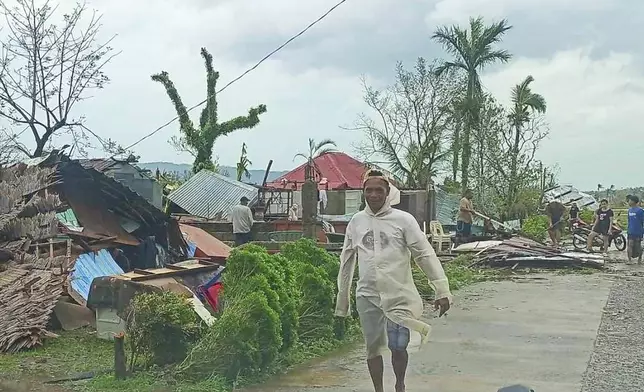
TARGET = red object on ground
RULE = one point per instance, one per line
(340, 170)
(207, 245)
(211, 294)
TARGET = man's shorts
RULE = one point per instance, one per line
(558, 224)
(378, 330)
(463, 229)
(635, 245)
(242, 238)
(601, 230)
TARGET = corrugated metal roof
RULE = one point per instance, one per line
(98, 164)
(568, 193)
(209, 195)
(92, 265)
(446, 207)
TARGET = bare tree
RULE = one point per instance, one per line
(413, 122)
(517, 190)
(47, 68)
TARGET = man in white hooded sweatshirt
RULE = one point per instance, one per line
(384, 240)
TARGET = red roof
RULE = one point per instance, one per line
(340, 170)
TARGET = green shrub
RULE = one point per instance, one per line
(160, 327)
(274, 307)
(536, 227)
(317, 302)
(243, 341)
(317, 272)
(252, 269)
(587, 215)
(458, 272)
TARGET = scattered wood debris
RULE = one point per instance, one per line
(523, 252)
(27, 299)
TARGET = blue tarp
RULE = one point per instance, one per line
(192, 248)
(89, 266)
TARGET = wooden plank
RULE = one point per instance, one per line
(170, 273)
(143, 272)
(175, 267)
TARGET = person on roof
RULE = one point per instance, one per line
(242, 218)
(388, 304)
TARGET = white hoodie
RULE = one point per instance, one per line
(384, 243)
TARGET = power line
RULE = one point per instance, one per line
(244, 73)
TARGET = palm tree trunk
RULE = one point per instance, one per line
(471, 109)
(514, 183)
(456, 149)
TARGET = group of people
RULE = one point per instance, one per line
(602, 225)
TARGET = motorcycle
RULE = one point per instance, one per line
(581, 230)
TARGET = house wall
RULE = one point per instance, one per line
(339, 202)
(143, 185)
(414, 202)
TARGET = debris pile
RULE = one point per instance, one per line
(28, 298)
(523, 252)
(62, 225)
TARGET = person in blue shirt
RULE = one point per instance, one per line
(635, 229)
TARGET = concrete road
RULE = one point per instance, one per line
(539, 331)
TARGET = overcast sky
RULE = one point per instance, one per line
(586, 57)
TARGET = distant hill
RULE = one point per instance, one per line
(256, 176)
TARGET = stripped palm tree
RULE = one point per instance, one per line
(243, 165)
(315, 150)
(524, 103)
(473, 49)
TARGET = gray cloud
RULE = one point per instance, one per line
(586, 56)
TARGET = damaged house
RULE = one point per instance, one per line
(53, 210)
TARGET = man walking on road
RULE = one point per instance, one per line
(242, 218)
(384, 239)
(465, 216)
(635, 229)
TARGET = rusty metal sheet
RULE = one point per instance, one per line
(207, 245)
(99, 221)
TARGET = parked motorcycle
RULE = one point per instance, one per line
(581, 230)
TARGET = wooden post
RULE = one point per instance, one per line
(120, 369)
(309, 208)
(430, 211)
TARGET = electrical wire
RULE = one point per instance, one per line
(243, 74)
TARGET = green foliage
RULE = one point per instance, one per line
(536, 227)
(458, 273)
(621, 217)
(273, 307)
(160, 328)
(472, 50)
(243, 164)
(199, 141)
(306, 251)
(587, 215)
